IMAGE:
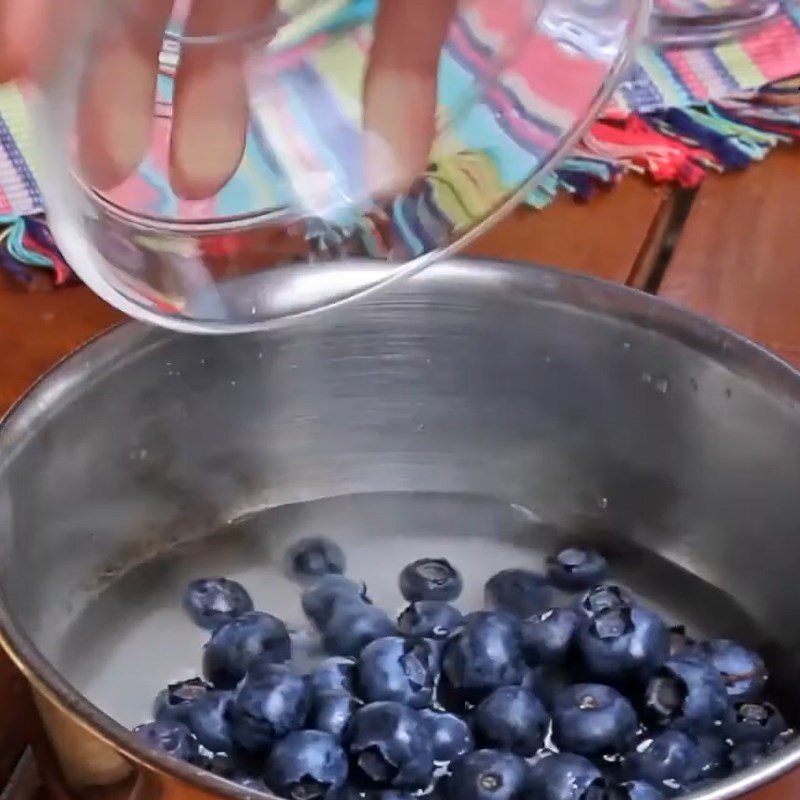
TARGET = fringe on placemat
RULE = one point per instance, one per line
(671, 146)
(26, 246)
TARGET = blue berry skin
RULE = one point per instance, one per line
(207, 718)
(270, 703)
(679, 641)
(353, 626)
(547, 637)
(687, 692)
(390, 745)
(743, 671)
(714, 756)
(593, 720)
(576, 568)
(452, 737)
(517, 591)
(331, 712)
(563, 776)
(210, 602)
(603, 597)
(511, 718)
(430, 579)
(403, 670)
(234, 646)
(747, 754)
(321, 599)
(171, 738)
(623, 644)
(640, 790)
(487, 775)
(432, 619)
(485, 654)
(312, 558)
(335, 674)
(545, 682)
(670, 761)
(171, 703)
(754, 722)
(306, 764)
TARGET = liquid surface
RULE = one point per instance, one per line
(135, 638)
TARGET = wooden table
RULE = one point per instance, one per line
(731, 251)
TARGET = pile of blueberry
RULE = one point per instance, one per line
(597, 699)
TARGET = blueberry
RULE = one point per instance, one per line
(234, 646)
(576, 568)
(511, 718)
(714, 756)
(306, 765)
(564, 776)
(207, 718)
(747, 754)
(430, 579)
(172, 738)
(270, 703)
(687, 692)
(321, 600)
(390, 745)
(331, 712)
(517, 591)
(171, 703)
(392, 668)
(485, 654)
(743, 671)
(335, 674)
(487, 775)
(353, 626)
(670, 761)
(754, 722)
(679, 640)
(210, 602)
(640, 790)
(432, 619)
(623, 643)
(312, 558)
(451, 735)
(593, 720)
(548, 636)
(603, 597)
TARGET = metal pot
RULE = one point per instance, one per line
(512, 406)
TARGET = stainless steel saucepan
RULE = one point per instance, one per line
(482, 411)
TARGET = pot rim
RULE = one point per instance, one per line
(511, 281)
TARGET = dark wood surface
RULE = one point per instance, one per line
(737, 259)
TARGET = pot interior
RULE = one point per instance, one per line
(484, 413)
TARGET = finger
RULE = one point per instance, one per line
(400, 90)
(118, 93)
(210, 107)
(22, 30)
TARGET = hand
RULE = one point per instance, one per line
(210, 112)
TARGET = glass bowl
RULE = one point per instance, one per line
(698, 23)
(221, 167)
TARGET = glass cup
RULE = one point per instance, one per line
(222, 167)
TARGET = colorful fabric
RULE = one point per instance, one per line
(676, 116)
